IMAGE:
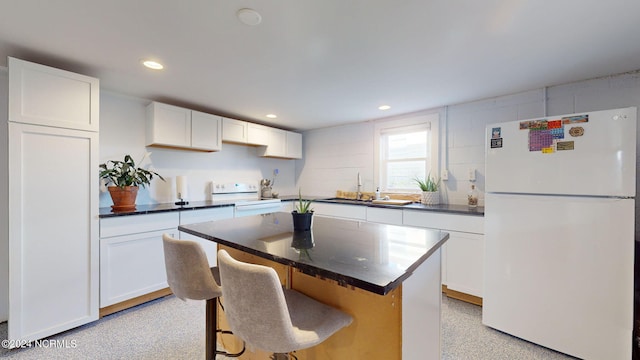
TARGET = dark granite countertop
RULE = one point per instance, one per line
(106, 212)
(370, 256)
(442, 208)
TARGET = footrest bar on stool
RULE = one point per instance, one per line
(231, 355)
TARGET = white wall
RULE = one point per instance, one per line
(334, 155)
(122, 131)
(464, 149)
(4, 196)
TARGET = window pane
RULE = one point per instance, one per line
(408, 145)
(400, 174)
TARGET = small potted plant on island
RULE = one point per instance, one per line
(126, 179)
(302, 214)
(430, 190)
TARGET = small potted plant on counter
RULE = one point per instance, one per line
(430, 190)
(126, 179)
(302, 214)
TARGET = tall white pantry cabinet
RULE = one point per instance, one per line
(53, 200)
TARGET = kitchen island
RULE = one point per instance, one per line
(387, 277)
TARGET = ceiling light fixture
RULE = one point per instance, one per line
(384, 107)
(153, 65)
(271, 116)
(249, 17)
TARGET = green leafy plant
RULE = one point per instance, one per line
(303, 206)
(429, 184)
(125, 173)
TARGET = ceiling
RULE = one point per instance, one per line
(318, 63)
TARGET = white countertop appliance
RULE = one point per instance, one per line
(246, 198)
(559, 231)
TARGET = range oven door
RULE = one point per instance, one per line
(248, 208)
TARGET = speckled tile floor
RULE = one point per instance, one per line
(465, 338)
(171, 329)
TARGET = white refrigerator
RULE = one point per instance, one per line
(559, 231)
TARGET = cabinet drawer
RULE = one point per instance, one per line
(197, 216)
(340, 211)
(134, 224)
(464, 223)
(384, 216)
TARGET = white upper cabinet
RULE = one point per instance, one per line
(43, 95)
(276, 144)
(168, 125)
(234, 131)
(176, 127)
(242, 132)
(273, 142)
(258, 134)
(294, 145)
(283, 144)
(206, 131)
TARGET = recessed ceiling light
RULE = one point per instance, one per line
(384, 107)
(153, 65)
(271, 116)
(249, 17)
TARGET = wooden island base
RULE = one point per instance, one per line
(378, 330)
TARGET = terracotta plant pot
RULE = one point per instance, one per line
(302, 222)
(124, 198)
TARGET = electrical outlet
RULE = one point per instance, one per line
(472, 174)
(445, 175)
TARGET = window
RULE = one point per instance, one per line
(407, 149)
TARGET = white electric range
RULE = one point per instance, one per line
(246, 198)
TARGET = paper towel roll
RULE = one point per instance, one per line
(181, 187)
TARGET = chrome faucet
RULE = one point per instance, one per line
(359, 193)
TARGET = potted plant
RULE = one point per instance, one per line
(126, 179)
(430, 190)
(302, 214)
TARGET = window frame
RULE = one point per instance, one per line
(417, 122)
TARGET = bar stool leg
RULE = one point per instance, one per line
(211, 331)
(211, 327)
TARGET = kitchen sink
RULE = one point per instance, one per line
(346, 201)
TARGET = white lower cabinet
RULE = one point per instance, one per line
(132, 255)
(196, 216)
(464, 262)
(463, 253)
